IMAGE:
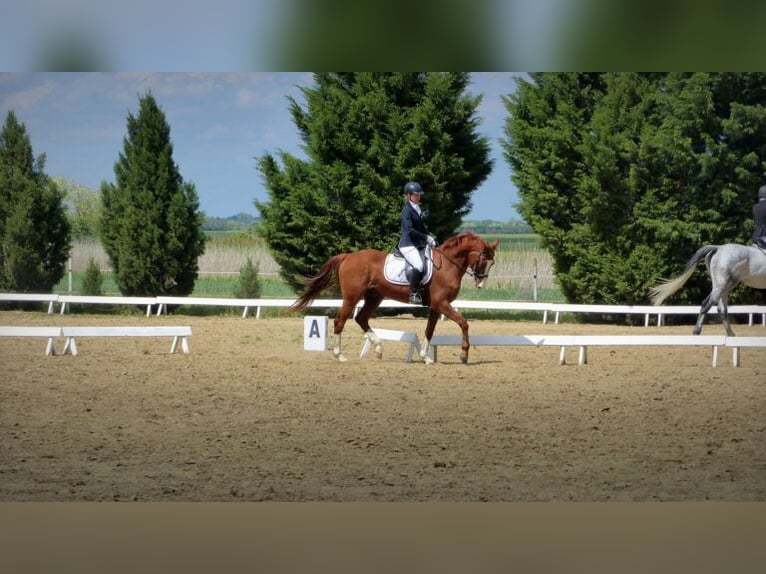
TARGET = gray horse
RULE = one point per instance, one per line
(728, 265)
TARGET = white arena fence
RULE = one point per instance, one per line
(582, 342)
(556, 309)
(180, 335)
(159, 306)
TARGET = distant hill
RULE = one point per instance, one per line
(490, 226)
(243, 221)
(237, 222)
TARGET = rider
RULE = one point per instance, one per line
(414, 237)
(759, 215)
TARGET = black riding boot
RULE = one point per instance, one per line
(415, 278)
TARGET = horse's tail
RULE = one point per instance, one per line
(659, 293)
(319, 282)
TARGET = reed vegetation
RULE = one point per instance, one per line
(523, 270)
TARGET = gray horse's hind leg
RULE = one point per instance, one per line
(706, 305)
(723, 311)
(720, 297)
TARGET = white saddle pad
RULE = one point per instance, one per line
(393, 269)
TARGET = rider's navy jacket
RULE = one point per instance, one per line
(414, 230)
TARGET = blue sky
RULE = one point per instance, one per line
(219, 122)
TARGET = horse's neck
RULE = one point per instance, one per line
(459, 256)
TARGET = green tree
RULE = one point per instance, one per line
(366, 135)
(93, 280)
(34, 230)
(249, 286)
(151, 225)
(625, 175)
(84, 205)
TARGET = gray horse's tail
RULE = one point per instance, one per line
(666, 288)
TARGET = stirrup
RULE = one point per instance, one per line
(416, 299)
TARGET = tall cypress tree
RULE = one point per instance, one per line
(366, 135)
(151, 224)
(625, 175)
(34, 229)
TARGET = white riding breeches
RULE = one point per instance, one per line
(412, 255)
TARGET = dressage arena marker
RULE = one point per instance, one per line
(584, 341)
(178, 333)
(315, 333)
(390, 335)
(47, 332)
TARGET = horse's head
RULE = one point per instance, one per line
(479, 255)
(483, 261)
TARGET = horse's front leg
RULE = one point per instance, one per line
(455, 315)
(433, 317)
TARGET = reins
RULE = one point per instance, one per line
(468, 268)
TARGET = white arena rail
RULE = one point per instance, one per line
(106, 300)
(660, 311)
(584, 341)
(247, 304)
(180, 333)
(49, 333)
(738, 342)
(399, 336)
(51, 299)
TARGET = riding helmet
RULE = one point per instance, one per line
(413, 187)
(761, 191)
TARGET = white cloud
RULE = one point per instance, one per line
(30, 96)
(245, 98)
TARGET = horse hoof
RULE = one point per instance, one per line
(464, 359)
(379, 352)
(340, 357)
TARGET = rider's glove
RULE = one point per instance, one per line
(431, 241)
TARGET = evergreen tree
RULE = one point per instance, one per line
(249, 286)
(93, 280)
(625, 175)
(151, 225)
(35, 238)
(366, 135)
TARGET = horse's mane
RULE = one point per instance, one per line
(459, 239)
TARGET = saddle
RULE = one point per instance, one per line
(395, 267)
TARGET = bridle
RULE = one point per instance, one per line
(488, 263)
(471, 268)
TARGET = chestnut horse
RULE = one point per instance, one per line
(360, 276)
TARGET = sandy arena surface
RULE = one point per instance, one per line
(249, 415)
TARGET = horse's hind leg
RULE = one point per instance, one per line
(372, 301)
(338, 323)
(723, 311)
(706, 305)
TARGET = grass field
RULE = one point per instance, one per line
(522, 269)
